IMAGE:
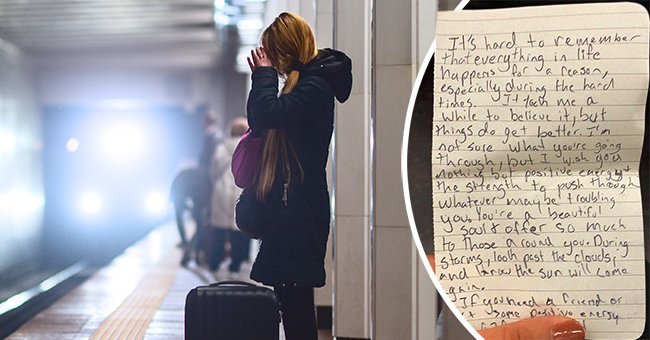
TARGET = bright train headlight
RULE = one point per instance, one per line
(156, 203)
(91, 203)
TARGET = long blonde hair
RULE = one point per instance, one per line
(287, 40)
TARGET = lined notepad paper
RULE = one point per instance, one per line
(537, 135)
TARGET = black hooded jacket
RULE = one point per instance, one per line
(294, 243)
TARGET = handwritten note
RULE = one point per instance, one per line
(537, 135)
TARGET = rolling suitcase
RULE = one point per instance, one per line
(231, 310)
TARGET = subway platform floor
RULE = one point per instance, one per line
(139, 295)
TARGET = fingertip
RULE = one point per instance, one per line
(542, 328)
(567, 329)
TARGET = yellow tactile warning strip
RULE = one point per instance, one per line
(131, 318)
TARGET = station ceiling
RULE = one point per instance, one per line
(165, 31)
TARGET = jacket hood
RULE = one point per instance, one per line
(336, 68)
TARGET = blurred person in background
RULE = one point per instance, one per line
(222, 208)
(212, 136)
(190, 192)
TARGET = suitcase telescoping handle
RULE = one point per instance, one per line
(236, 283)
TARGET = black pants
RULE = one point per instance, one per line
(179, 208)
(298, 312)
(239, 248)
(199, 212)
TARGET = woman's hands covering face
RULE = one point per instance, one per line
(258, 58)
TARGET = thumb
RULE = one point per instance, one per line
(539, 328)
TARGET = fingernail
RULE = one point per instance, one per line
(568, 330)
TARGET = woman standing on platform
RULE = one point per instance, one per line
(292, 183)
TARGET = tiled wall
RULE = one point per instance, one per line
(352, 177)
(393, 253)
(387, 40)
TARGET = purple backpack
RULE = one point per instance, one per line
(247, 158)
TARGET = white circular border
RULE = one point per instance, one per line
(407, 196)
